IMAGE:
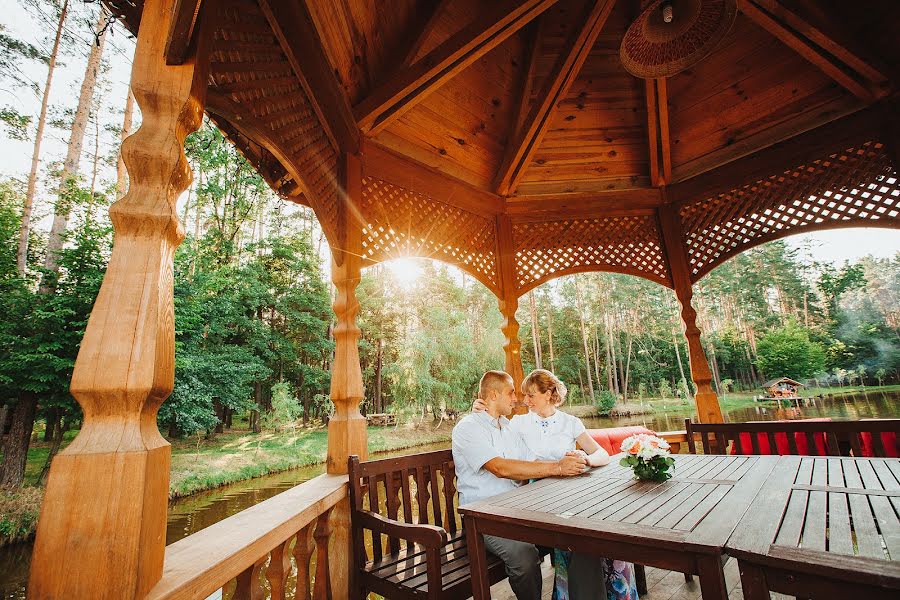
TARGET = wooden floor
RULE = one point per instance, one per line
(661, 585)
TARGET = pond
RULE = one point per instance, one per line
(193, 513)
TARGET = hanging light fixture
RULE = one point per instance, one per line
(672, 35)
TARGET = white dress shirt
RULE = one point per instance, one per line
(478, 438)
(550, 438)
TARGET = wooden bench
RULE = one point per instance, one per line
(381, 419)
(869, 437)
(408, 507)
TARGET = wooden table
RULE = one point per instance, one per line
(823, 527)
(682, 524)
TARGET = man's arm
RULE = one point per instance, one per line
(520, 470)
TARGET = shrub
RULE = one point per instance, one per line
(606, 400)
(19, 509)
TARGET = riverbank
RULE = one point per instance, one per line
(204, 464)
(237, 455)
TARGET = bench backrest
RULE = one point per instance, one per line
(419, 488)
(611, 438)
(875, 437)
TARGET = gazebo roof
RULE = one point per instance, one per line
(774, 382)
(512, 129)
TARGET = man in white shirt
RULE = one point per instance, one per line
(491, 459)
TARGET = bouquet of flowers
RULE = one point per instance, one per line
(648, 456)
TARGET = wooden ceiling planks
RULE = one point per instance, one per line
(364, 41)
(519, 153)
(597, 138)
(586, 178)
(406, 88)
(734, 103)
(463, 126)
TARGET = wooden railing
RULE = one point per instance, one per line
(298, 522)
(677, 440)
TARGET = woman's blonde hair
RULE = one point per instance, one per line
(544, 381)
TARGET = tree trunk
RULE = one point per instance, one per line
(627, 370)
(28, 207)
(58, 433)
(379, 352)
(63, 209)
(535, 332)
(254, 414)
(550, 338)
(220, 416)
(584, 340)
(121, 172)
(4, 413)
(596, 347)
(53, 423)
(95, 165)
(678, 356)
(15, 450)
(611, 336)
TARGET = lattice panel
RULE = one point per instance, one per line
(626, 244)
(249, 68)
(401, 222)
(855, 186)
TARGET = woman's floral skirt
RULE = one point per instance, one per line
(618, 576)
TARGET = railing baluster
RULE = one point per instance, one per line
(322, 589)
(303, 550)
(278, 570)
(248, 587)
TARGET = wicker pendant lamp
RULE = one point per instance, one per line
(672, 35)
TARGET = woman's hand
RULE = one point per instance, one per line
(479, 405)
(571, 464)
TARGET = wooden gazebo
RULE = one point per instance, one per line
(503, 137)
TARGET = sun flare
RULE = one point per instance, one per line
(406, 271)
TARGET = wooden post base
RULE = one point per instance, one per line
(95, 554)
(346, 436)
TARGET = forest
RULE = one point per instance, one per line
(253, 295)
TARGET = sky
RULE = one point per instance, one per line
(836, 246)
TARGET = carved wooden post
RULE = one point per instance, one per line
(509, 304)
(708, 410)
(347, 428)
(102, 530)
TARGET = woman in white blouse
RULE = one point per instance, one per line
(550, 433)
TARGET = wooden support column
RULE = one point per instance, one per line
(347, 428)
(708, 410)
(102, 529)
(509, 304)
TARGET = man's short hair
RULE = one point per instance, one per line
(493, 381)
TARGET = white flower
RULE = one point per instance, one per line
(645, 446)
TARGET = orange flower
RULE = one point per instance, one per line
(654, 444)
(636, 448)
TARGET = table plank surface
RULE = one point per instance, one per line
(700, 504)
(829, 516)
(682, 523)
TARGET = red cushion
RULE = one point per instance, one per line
(611, 439)
(781, 442)
(888, 440)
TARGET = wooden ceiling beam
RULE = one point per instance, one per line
(425, 32)
(569, 206)
(848, 131)
(292, 24)
(528, 138)
(658, 142)
(535, 34)
(181, 30)
(854, 82)
(256, 131)
(412, 84)
(810, 19)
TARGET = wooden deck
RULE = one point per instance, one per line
(661, 585)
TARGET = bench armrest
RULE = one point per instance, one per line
(429, 536)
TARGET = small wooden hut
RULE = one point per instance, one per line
(509, 138)
(782, 387)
